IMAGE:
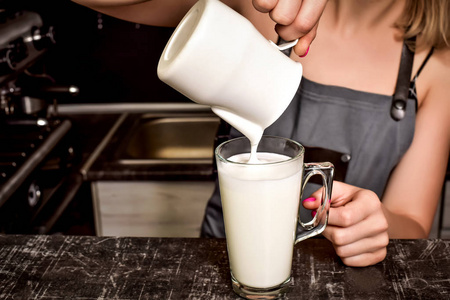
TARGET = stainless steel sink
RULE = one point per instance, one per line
(187, 138)
(161, 141)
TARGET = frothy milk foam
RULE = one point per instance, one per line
(260, 206)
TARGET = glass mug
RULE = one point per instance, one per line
(261, 211)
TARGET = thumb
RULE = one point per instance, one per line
(341, 194)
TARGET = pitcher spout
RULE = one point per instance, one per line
(251, 130)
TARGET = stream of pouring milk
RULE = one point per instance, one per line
(248, 128)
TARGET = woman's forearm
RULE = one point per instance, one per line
(403, 227)
(166, 13)
(108, 3)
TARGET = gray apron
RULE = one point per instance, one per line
(352, 129)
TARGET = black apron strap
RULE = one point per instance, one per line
(424, 63)
(398, 108)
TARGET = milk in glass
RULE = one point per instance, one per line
(260, 206)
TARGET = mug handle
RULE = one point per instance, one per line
(319, 222)
(286, 45)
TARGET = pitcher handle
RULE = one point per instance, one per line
(286, 45)
(318, 224)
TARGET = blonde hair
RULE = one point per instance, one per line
(429, 20)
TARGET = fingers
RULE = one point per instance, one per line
(296, 19)
(374, 225)
(362, 244)
(342, 193)
(365, 259)
(303, 26)
(264, 6)
(363, 252)
(303, 44)
(365, 203)
(366, 245)
(285, 12)
(357, 226)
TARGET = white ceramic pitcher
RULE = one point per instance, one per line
(216, 57)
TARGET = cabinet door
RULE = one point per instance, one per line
(150, 209)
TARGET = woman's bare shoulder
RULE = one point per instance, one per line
(440, 70)
(434, 81)
(441, 57)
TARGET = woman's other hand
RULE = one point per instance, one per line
(296, 19)
(357, 227)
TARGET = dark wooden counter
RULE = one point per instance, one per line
(69, 267)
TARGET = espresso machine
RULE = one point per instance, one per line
(36, 151)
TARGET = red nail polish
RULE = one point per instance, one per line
(306, 53)
(313, 213)
(310, 199)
